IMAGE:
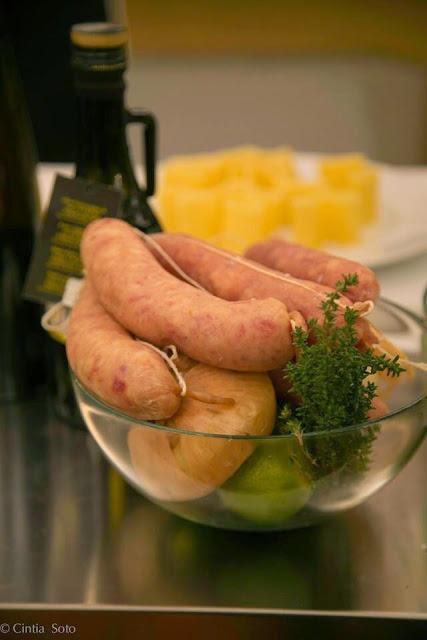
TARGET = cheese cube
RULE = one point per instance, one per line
(336, 168)
(365, 183)
(353, 171)
(194, 211)
(245, 213)
(194, 171)
(293, 190)
(305, 222)
(166, 206)
(241, 162)
(326, 215)
(275, 167)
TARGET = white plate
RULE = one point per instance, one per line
(401, 230)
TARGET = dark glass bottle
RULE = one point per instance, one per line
(98, 59)
(99, 62)
(22, 364)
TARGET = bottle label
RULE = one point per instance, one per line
(74, 203)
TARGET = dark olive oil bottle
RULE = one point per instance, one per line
(98, 58)
(22, 363)
(99, 63)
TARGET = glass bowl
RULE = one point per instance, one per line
(283, 483)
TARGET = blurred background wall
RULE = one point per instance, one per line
(329, 75)
(370, 105)
(322, 75)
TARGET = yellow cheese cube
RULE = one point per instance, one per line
(275, 166)
(194, 211)
(165, 206)
(245, 213)
(365, 183)
(296, 189)
(281, 159)
(241, 162)
(305, 225)
(328, 215)
(352, 171)
(303, 188)
(276, 207)
(194, 171)
(336, 168)
(338, 212)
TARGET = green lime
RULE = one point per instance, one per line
(270, 486)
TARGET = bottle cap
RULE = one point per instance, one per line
(99, 35)
(98, 55)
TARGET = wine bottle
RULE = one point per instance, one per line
(22, 363)
(98, 59)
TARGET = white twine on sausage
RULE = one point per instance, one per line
(171, 262)
(201, 396)
(169, 359)
(363, 308)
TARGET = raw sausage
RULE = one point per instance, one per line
(315, 265)
(121, 371)
(252, 335)
(235, 278)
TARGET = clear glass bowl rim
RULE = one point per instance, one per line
(312, 434)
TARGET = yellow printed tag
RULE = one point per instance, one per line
(73, 205)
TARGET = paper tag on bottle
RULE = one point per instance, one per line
(74, 203)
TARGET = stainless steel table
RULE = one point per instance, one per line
(73, 533)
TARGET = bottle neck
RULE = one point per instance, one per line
(102, 152)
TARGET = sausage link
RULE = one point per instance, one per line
(252, 335)
(121, 371)
(235, 278)
(315, 265)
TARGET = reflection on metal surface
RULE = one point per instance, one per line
(15, 519)
(71, 531)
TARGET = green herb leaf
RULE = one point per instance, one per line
(329, 379)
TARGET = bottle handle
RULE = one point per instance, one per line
(148, 121)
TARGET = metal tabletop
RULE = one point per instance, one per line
(72, 531)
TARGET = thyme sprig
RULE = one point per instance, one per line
(329, 380)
